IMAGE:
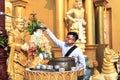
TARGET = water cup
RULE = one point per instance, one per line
(57, 67)
(50, 67)
(61, 69)
(38, 66)
(73, 68)
(43, 67)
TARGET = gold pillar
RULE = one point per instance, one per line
(65, 10)
(90, 22)
(100, 21)
(59, 28)
(19, 9)
(70, 4)
(90, 50)
(100, 25)
(19, 13)
(99, 4)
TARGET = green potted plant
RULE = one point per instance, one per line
(33, 23)
(3, 44)
(3, 40)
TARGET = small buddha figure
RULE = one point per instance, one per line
(38, 40)
(17, 60)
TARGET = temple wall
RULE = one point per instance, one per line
(45, 11)
(115, 24)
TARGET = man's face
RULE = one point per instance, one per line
(69, 40)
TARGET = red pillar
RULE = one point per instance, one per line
(3, 54)
(2, 16)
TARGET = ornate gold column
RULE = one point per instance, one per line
(70, 4)
(19, 9)
(99, 21)
(59, 28)
(90, 22)
(90, 50)
(99, 4)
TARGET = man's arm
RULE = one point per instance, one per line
(54, 39)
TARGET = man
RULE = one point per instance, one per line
(69, 43)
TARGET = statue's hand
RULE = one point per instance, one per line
(77, 20)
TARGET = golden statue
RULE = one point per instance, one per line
(17, 61)
(77, 22)
(109, 71)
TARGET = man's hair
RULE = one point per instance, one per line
(75, 35)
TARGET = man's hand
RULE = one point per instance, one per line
(44, 26)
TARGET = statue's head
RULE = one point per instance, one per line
(111, 55)
(78, 4)
(19, 24)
